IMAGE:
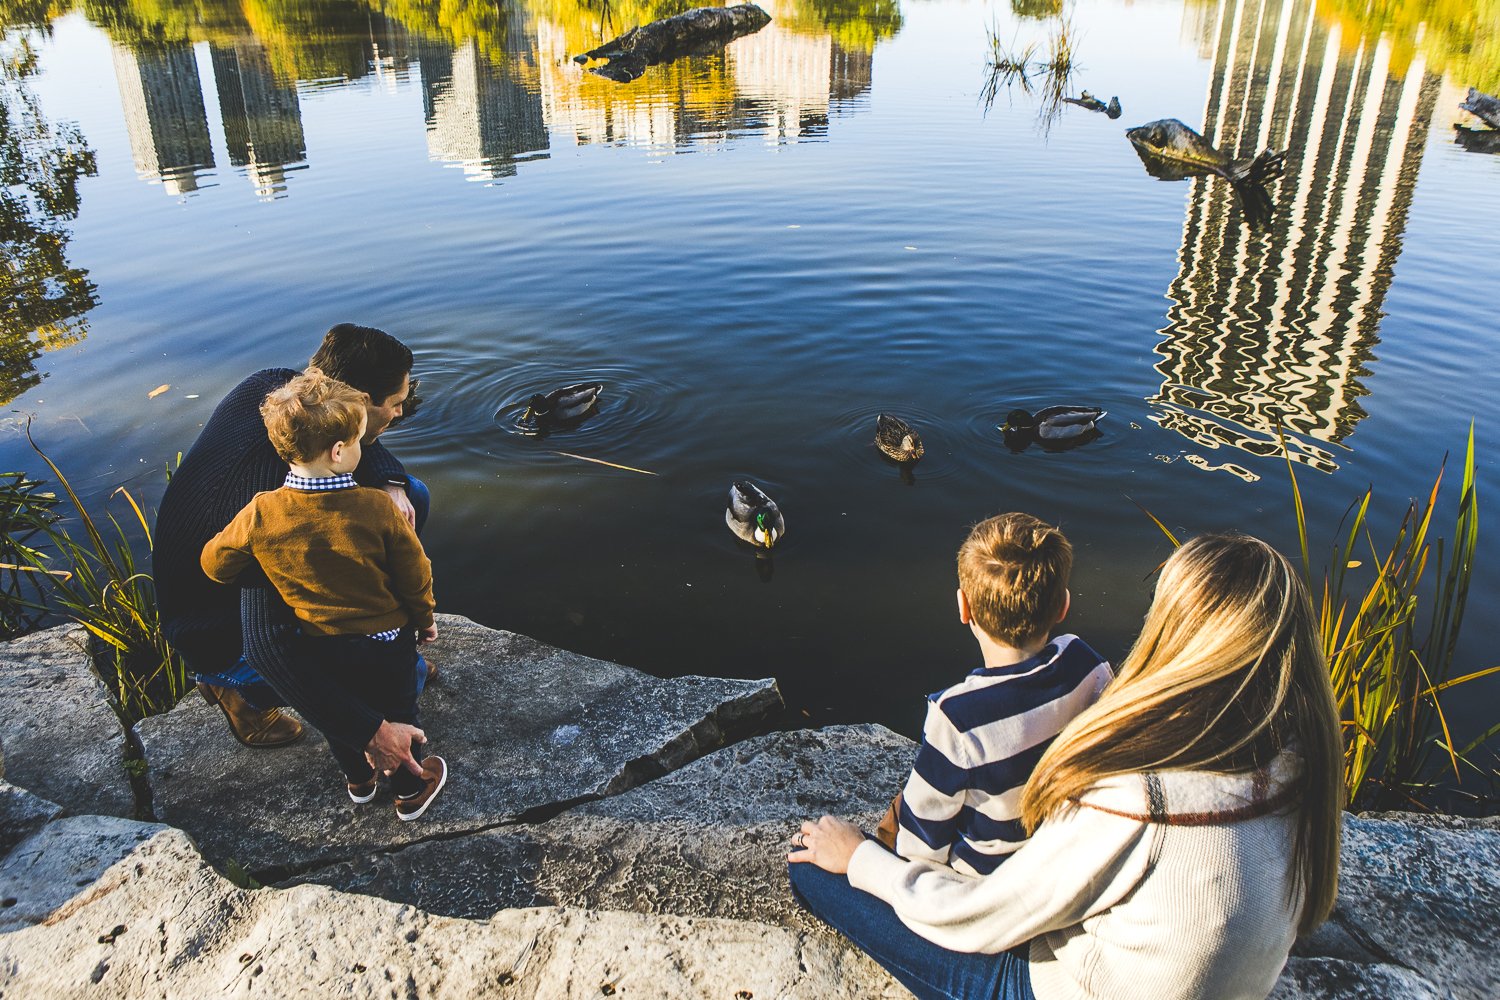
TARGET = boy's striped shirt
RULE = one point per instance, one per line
(982, 739)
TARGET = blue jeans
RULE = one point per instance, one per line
(244, 678)
(929, 971)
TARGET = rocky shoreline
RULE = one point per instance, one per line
(623, 837)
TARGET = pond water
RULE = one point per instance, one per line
(757, 251)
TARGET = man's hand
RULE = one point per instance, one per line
(390, 747)
(428, 634)
(403, 503)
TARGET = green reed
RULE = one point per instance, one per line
(115, 601)
(1388, 662)
(1390, 658)
(26, 515)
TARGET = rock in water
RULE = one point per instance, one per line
(1482, 106)
(1171, 151)
(1477, 140)
(694, 32)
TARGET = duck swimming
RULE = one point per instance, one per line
(1053, 423)
(567, 403)
(753, 516)
(896, 439)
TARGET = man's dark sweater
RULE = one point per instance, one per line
(231, 461)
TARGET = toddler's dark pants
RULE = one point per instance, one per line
(381, 674)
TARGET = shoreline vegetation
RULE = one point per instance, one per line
(1390, 615)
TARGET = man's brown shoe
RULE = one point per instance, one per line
(253, 728)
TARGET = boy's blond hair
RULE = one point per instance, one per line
(1013, 569)
(307, 415)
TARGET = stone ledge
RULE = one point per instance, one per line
(707, 840)
(589, 728)
(159, 921)
(62, 740)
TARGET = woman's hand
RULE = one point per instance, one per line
(829, 843)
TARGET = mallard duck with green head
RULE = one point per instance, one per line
(1053, 423)
(561, 405)
(753, 516)
(895, 438)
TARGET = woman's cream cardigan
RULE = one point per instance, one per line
(1158, 886)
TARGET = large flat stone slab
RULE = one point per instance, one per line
(707, 840)
(62, 740)
(50, 867)
(1418, 898)
(21, 815)
(160, 922)
(525, 727)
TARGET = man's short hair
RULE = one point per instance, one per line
(308, 414)
(1013, 568)
(370, 360)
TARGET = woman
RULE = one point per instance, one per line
(1184, 829)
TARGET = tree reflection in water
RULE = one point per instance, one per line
(45, 298)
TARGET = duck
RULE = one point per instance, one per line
(895, 438)
(567, 403)
(753, 516)
(1054, 423)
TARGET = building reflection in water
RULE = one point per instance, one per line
(493, 100)
(484, 113)
(164, 116)
(778, 83)
(262, 117)
(1282, 325)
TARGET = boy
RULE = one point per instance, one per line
(348, 564)
(984, 735)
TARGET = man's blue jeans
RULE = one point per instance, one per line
(244, 678)
(930, 972)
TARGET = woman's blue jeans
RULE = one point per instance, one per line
(930, 972)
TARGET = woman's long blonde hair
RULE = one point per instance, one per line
(1227, 672)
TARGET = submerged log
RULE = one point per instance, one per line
(694, 32)
(1089, 102)
(1482, 106)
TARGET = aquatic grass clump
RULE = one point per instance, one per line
(115, 601)
(1388, 664)
(1051, 77)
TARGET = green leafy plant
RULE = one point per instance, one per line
(116, 602)
(239, 876)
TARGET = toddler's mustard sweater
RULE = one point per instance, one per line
(344, 560)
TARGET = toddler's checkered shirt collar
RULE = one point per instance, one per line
(321, 484)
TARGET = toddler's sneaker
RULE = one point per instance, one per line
(364, 791)
(435, 775)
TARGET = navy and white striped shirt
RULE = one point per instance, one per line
(982, 740)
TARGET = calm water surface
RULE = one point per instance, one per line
(757, 252)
